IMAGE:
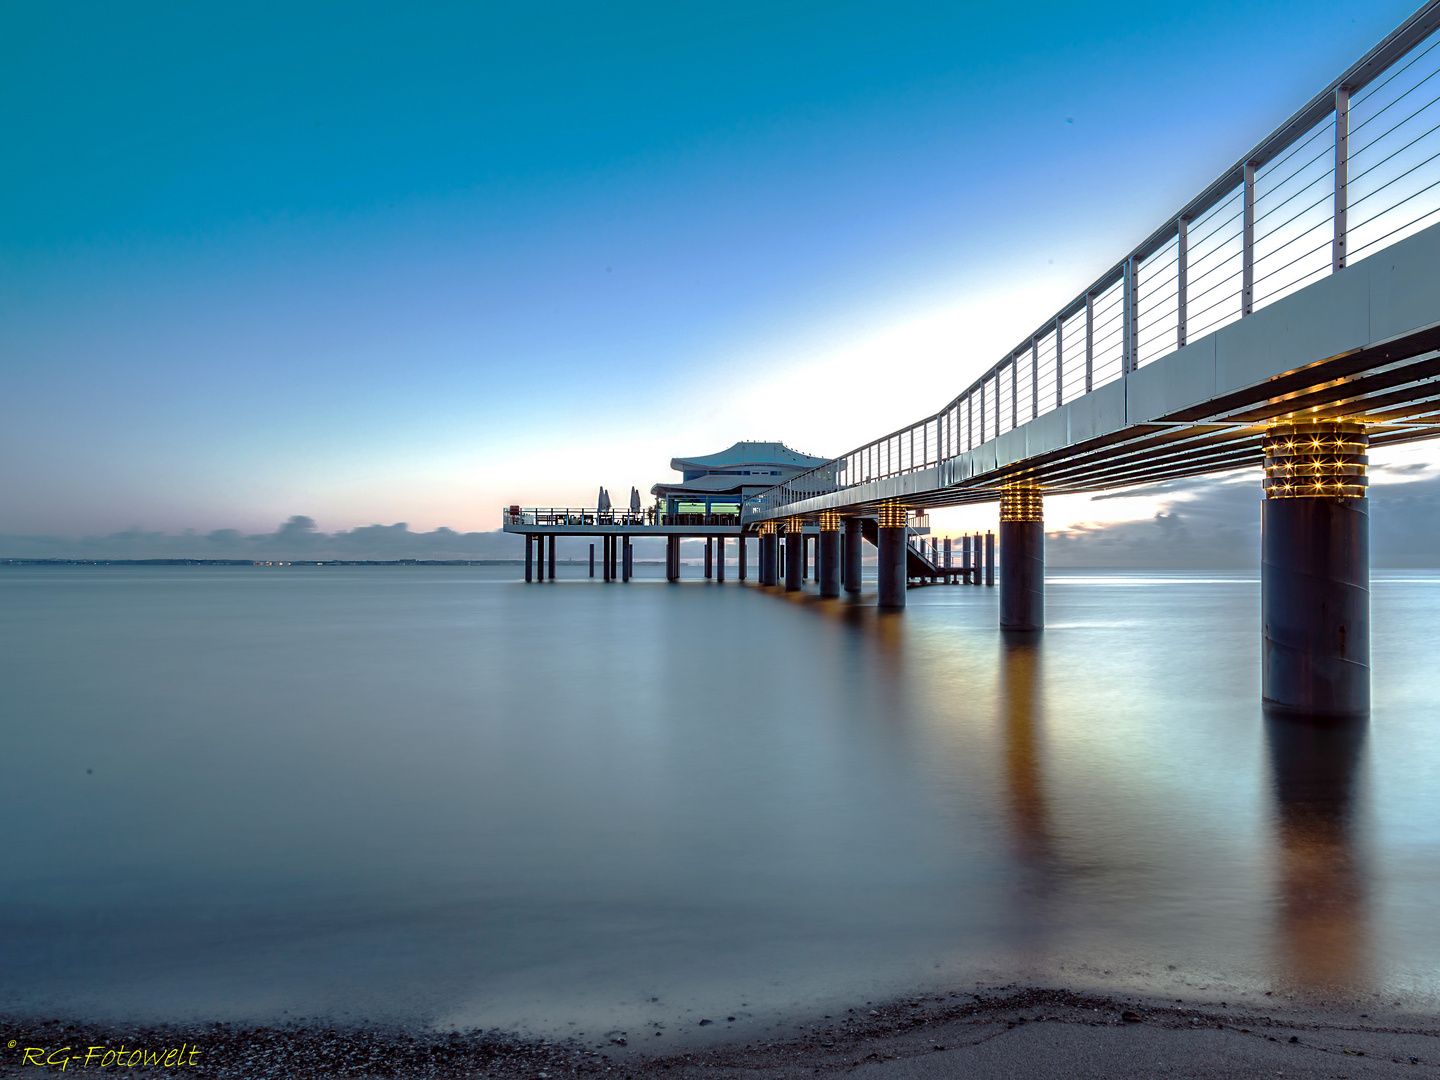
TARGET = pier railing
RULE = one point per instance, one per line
(1351, 173)
(513, 516)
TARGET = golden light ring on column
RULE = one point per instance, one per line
(1316, 459)
(893, 515)
(794, 525)
(829, 521)
(1021, 501)
(767, 528)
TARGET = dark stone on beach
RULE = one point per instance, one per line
(1131, 1017)
(1294, 1038)
(704, 1022)
(729, 1018)
(619, 1042)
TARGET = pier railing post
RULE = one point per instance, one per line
(1315, 569)
(1022, 558)
(891, 534)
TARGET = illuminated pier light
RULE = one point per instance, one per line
(827, 555)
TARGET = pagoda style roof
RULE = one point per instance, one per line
(749, 453)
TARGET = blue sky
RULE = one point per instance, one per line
(377, 263)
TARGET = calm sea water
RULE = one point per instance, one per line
(439, 794)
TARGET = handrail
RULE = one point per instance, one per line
(1266, 227)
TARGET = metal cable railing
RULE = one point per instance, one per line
(1355, 170)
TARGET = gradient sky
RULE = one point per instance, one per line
(377, 263)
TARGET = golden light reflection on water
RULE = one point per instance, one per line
(1322, 933)
(1021, 716)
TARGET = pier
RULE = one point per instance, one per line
(1286, 318)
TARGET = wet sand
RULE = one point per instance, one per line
(1035, 1033)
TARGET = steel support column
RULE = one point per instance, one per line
(552, 557)
(744, 549)
(1315, 570)
(720, 559)
(827, 554)
(794, 558)
(891, 535)
(854, 537)
(1022, 558)
(529, 560)
(592, 560)
(769, 555)
(709, 557)
(989, 558)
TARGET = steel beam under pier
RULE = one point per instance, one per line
(794, 559)
(1315, 570)
(891, 534)
(1022, 558)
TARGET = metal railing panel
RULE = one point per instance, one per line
(1354, 170)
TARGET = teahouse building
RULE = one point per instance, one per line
(716, 484)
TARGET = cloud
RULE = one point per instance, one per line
(1215, 522)
(1206, 522)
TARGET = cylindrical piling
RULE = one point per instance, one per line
(768, 553)
(743, 552)
(709, 557)
(794, 556)
(552, 557)
(892, 555)
(1315, 569)
(592, 560)
(854, 537)
(827, 554)
(529, 561)
(1022, 558)
(989, 558)
(627, 562)
(720, 559)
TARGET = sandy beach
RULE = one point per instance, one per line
(1033, 1033)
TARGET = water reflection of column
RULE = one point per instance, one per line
(1024, 780)
(1323, 930)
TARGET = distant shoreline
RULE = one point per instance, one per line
(296, 562)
